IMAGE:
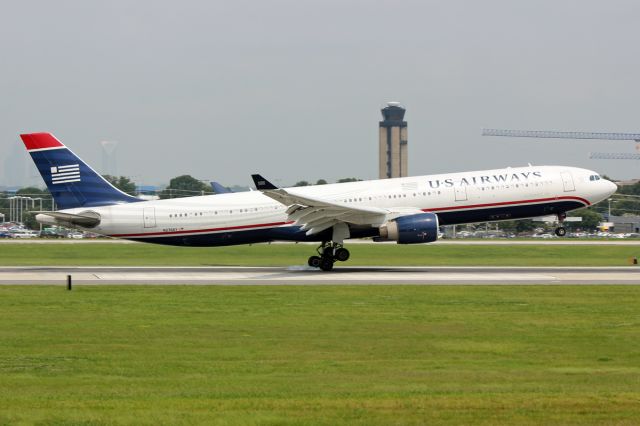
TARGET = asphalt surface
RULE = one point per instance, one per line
(303, 275)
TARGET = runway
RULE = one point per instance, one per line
(469, 242)
(303, 275)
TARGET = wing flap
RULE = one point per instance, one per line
(311, 215)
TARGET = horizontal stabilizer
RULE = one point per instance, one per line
(86, 220)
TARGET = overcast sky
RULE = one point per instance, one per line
(293, 89)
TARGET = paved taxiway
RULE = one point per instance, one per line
(303, 275)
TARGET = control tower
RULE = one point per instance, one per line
(393, 142)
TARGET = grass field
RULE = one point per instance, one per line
(321, 355)
(297, 254)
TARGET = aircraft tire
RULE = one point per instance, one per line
(314, 261)
(342, 254)
(561, 231)
(326, 264)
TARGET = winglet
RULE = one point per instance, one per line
(262, 184)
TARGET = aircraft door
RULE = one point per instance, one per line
(149, 214)
(461, 193)
(567, 182)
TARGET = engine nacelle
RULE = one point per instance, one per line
(413, 229)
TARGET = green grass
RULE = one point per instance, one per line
(320, 355)
(297, 254)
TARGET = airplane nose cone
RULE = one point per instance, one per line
(612, 187)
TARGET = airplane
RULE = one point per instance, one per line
(219, 189)
(406, 210)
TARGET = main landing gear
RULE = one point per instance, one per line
(328, 253)
(560, 230)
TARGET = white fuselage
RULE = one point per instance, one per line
(466, 197)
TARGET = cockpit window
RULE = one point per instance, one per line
(594, 177)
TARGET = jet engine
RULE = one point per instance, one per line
(412, 229)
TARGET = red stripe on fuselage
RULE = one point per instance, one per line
(228, 228)
(275, 224)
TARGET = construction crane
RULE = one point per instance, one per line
(613, 156)
(576, 135)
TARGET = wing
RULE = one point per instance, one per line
(315, 214)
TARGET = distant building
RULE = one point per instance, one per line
(393, 142)
(10, 190)
(624, 224)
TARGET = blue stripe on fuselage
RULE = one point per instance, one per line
(507, 213)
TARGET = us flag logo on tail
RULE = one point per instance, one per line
(65, 174)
